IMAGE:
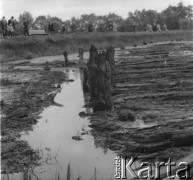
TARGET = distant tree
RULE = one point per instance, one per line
(170, 16)
(85, 20)
(112, 17)
(100, 22)
(142, 18)
(126, 25)
(173, 14)
(189, 11)
(19, 28)
(26, 16)
(67, 24)
(184, 11)
(40, 22)
(88, 18)
(75, 24)
(56, 21)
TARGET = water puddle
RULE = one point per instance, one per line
(52, 137)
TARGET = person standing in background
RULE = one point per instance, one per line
(148, 28)
(111, 26)
(165, 27)
(52, 28)
(154, 27)
(49, 27)
(4, 26)
(158, 28)
(11, 27)
(63, 29)
(26, 28)
(134, 27)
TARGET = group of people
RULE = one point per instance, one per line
(156, 27)
(151, 28)
(108, 27)
(8, 27)
(54, 27)
(50, 27)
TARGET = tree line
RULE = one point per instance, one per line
(170, 16)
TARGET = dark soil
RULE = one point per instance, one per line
(25, 93)
(153, 103)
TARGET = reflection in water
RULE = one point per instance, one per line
(52, 136)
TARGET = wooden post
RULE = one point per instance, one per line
(104, 81)
(100, 76)
(86, 87)
(110, 56)
(92, 68)
(100, 79)
(65, 57)
(81, 55)
(46, 68)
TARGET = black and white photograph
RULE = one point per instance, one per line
(96, 89)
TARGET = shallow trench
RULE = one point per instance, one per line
(52, 137)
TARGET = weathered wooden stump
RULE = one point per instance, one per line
(81, 55)
(100, 79)
(126, 115)
(10, 67)
(46, 68)
(86, 87)
(92, 68)
(2, 103)
(66, 57)
(104, 81)
(110, 56)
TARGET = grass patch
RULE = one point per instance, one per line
(35, 46)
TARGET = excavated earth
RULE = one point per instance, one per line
(153, 105)
(24, 94)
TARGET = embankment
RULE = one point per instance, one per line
(30, 47)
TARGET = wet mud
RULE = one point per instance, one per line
(152, 116)
(153, 103)
(24, 93)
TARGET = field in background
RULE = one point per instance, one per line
(35, 46)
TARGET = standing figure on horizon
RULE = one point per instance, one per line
(154, 27)
(4, 26)
(25, 28)
(90, 27)
(49, 27)
(111, 26)
(11, 27)
(158, 28)
(63, 29)
(149, 28)
(134, 27)
(165, 27)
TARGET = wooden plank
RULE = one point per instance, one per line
(37, 32)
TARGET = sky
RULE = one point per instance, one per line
(65, 9)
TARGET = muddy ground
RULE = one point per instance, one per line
(153, 101)
(153, 105)
(24, 94)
